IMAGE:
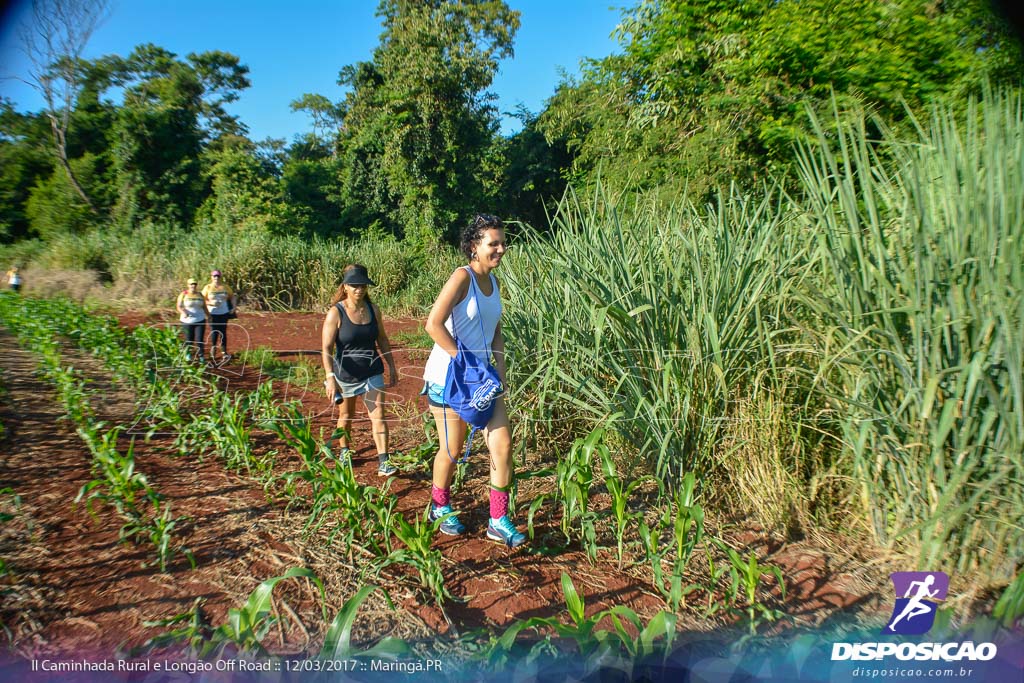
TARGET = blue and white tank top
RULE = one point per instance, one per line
(476, 317)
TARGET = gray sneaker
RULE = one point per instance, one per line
(504, 531)
(449, 527)
(344, 456)
(386, 469)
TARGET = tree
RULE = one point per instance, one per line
(531, 177)
(418, 121)
(54, 42)
(172, 112)
(25, 160)
(327, 119)
(244, 196)
(709, 92)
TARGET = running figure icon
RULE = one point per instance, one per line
(916, 605)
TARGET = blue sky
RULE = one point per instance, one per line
(297, 46)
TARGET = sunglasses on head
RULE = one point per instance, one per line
(482, 220)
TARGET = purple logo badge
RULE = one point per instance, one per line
(917, 598)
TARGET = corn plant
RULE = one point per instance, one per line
(162, 412)
(742, 591)
(247, 625)
(688, 522)
(190, 628)
(230, 434)
(260, 404)
(418, 537)
(118, 484)
(158, 529)
(574, 475)
(73, 395)
(670, 586)
(619, 492)
(356, 511)
(596, 646)
(338, 639)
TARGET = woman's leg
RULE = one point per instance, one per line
(186, 334)
(346, 411)
(224, 334)
(499, 446)
(451, 434)
(198, 332)
(218, 333)
(374, 401)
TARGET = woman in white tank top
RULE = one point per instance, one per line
(478, 320)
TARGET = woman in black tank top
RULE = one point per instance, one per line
(354, 349)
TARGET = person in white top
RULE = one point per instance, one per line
(221, 302)
(14, 279)
(192, 312)
(478, 319)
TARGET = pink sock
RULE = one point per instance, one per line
(441, 497)
(499, 503)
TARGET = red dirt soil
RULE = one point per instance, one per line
(73, 588)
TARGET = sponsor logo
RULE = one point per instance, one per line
(918, 595)
(921, 652)
(485, 394)
(914, 612)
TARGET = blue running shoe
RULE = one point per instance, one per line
(451, 526)
(344, 456)
(505, 531)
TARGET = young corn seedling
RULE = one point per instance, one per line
(231, 436)
(119, 484)
(596, 646)
(591, 645)
(574, 476)
(338, 639)
(746, 577)
(160, 531)
(247, 626)
(671, 588)
(418, 537)
(688, 524)
(620, 493)
(261, 405)
(194, 631)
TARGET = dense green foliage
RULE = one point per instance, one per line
(708, 93)
(418, 121)
(702, 95)
(854, 349)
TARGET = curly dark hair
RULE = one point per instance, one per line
(474, 232)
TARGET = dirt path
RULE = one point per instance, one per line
(73, 588)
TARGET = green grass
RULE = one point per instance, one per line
(416, 339)
(303, 373)
(852, 354)
(150, 265)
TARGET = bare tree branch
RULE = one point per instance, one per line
(53, 42)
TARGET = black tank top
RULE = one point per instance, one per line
(355, 349)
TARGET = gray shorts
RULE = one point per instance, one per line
(350, 389)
